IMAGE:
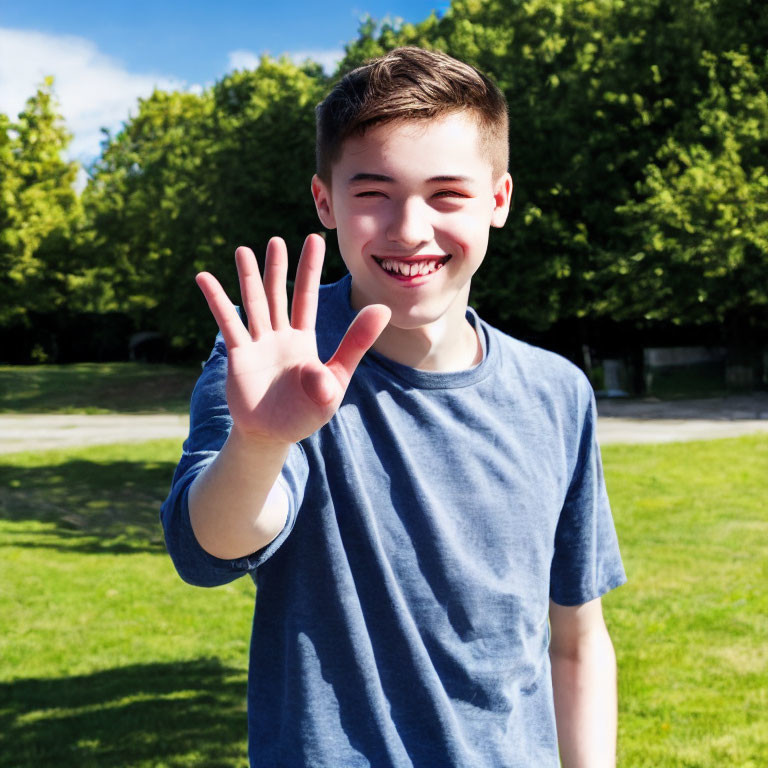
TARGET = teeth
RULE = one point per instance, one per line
(412, 268)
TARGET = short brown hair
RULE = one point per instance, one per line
(410, 84)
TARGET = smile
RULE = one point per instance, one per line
(408, 269)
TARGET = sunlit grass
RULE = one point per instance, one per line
(108, 659)
(690, 627)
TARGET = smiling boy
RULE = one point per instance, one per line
(418, 496)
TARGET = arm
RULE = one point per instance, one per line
(236, 506)
(278, 393)
(584, 683)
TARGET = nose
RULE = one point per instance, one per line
(410, 223)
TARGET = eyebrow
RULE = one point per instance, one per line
(388, 179)
(370, 177)
(449, 178)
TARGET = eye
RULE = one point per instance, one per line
(449, 193)
(370, 193)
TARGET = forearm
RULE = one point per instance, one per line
(235, 505)
(584, 686)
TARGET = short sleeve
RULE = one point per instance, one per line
(586, 562)
(209, 427)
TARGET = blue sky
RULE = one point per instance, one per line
(106, 54)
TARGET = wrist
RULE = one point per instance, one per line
(253, 442)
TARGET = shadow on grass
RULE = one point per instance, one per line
(86, 506)
(96, 388)
(171, 714)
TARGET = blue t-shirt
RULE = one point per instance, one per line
(401, 616)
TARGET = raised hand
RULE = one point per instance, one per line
(278, 390)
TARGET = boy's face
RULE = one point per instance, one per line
(413, 203)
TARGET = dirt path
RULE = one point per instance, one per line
(621, 421)
(656, 421)
(617, 430)
(39, 432)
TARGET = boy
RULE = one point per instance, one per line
(415, 493)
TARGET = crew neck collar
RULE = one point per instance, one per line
(416, 377)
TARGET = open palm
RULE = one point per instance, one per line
(277, 387)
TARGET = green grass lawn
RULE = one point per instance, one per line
(691, 626)
(96, 388)
(109, 660)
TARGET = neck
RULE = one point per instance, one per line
(443, 346)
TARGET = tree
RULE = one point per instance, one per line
(542, 54)
(700, 221)
(609, 106)
(147, 202)
(190, 178)
(638, 145)
(40, 208)
(9, 183)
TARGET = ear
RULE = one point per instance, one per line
(323, 202)
(502, 197)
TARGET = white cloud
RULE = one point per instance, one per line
(328, 58)
(243, 60)
(93, 90)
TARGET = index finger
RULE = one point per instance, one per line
(223, 310)
(307, 286)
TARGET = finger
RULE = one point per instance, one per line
(304, 308)
(360, 337)
(223, 310)
(252, 292)
(275, 274)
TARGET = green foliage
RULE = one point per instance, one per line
(189, 179)
(144, 203)
(638, 133)
(40, 209)
(620, 115)
(701, 222)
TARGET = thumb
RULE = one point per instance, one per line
(319, 384)
(365, 329)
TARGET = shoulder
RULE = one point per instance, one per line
(546, 392)
(537, 369)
